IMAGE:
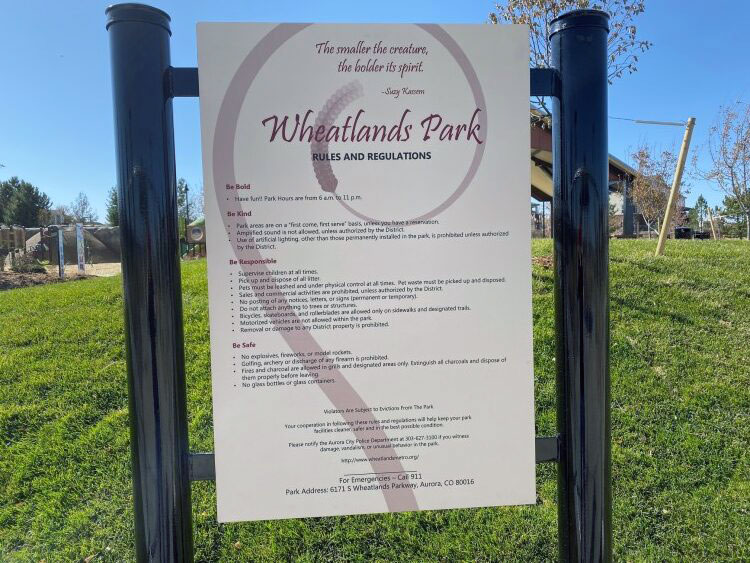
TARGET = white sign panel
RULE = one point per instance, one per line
(81, 249)
(369, 271)
(60, 252)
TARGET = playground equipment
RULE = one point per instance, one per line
(12, 242)
(195, 238)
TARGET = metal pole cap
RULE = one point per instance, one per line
(142, 13)
(579, 18)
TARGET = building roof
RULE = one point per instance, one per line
(541, 165)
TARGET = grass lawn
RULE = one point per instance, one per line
(680, 363)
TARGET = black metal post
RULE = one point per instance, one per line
(139, 43)
(580, 163)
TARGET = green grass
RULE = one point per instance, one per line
(680, 363)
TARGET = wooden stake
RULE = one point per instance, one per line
(711, 220)
(675, 186)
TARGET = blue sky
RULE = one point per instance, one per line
(55, 97)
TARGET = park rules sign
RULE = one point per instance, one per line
(369, 270)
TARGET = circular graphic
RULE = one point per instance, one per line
(350, 92)
(196, 234)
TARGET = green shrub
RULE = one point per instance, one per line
(27, 264)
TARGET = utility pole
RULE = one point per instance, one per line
(675, 186)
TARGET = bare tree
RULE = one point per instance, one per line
(650, 188)
(59, 214)
(623, 44)
(729, 152)
(81, 209)
(196, 202)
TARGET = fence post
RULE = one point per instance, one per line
(139, 46)
(581, 195)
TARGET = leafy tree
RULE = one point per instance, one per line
(623, 43)
(81, 209)
(183, 195)
(733, 223)
(614, 221)
(189, 204)
(183, 192)
(650, 188)
(698, 215)
(22, 203)
(113, 207)
(6, 193)
(729, 153)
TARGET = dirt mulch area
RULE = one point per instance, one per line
(105, 269)
(543, 261)
(14, 280)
